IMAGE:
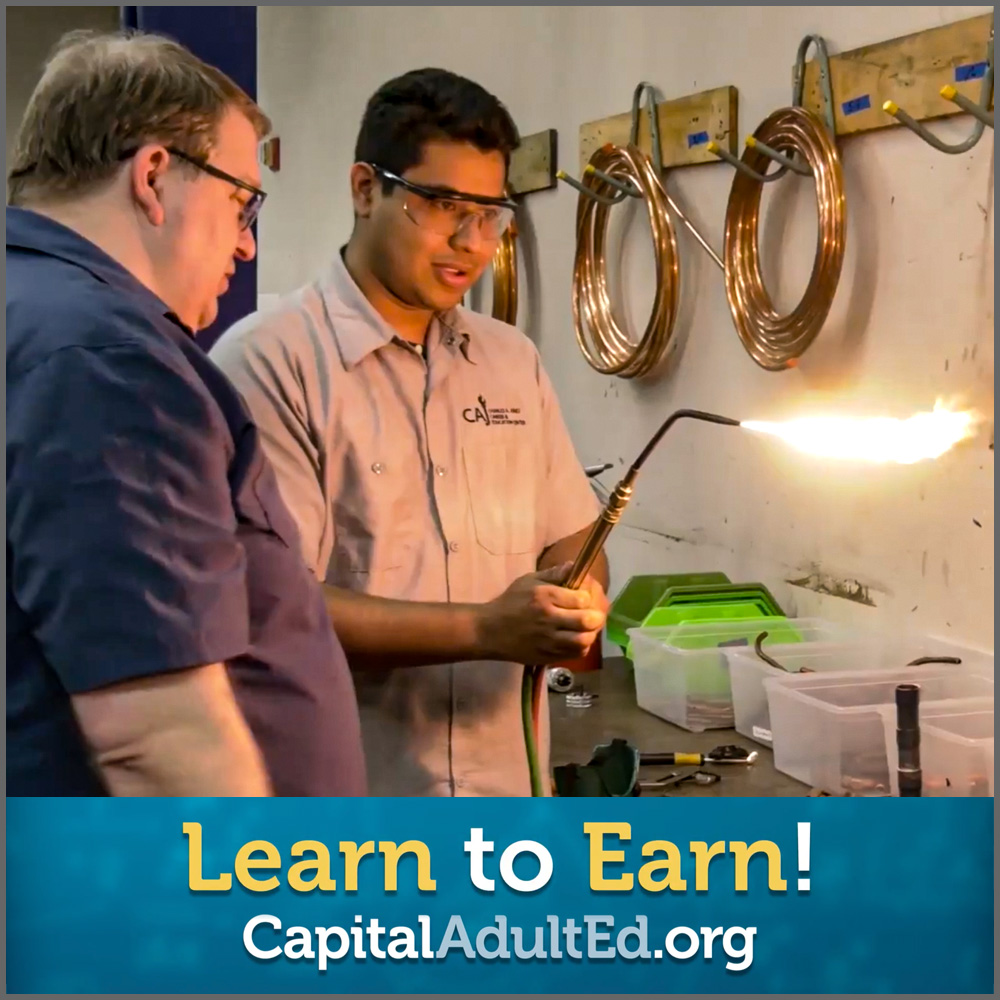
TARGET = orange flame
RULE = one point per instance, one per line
(875, 439)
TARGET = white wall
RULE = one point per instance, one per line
(913, 317)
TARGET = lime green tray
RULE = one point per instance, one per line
(642, 593)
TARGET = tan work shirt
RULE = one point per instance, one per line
(439, 475)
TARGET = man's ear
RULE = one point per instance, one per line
(146, 172)
(364, 186)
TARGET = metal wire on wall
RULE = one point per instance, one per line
(775, 341)
(793, 139)
(607, 347)
(801, 142)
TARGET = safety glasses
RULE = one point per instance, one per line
(448, 212)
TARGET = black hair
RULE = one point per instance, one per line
(428, 104)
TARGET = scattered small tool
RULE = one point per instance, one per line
(720, 755)
(560, 679)
(909, 773)
(678, 778)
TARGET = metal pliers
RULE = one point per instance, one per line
(675, 778)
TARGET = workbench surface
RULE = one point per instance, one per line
(614, 713)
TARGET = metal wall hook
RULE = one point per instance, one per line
(657, 157)
(622, 186)
(604, 199)
(949, 93)
(738, 164)
(799, 85)
(981, 111)
(624, 190)
(654, 122)
(786, 163)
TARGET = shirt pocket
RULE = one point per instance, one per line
(372, 515)
(502, 476)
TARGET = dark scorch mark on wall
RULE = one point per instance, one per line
(823, 583)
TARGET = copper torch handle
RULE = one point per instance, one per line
(610, 516)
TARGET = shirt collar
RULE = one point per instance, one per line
(27, 230)
(457, 331)
(359, 329)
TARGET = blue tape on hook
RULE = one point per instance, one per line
(970, 71)
(697, 139)
(852, 107)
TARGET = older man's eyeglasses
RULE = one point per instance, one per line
(249, 210)
(448, 212)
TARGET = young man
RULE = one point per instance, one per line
(164, 636)
(421, 450)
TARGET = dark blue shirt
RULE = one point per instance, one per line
(145, 532)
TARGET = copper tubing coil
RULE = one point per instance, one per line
(772, 340)
(505, 277)
(605, 345)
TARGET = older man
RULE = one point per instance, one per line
(164, 636)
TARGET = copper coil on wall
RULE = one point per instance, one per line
(774, 340)
(505, 277)
(606, 346)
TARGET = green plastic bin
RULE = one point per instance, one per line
(780, 632)
(642, 593)
(708, 614)
(722, 593)
(681, 614)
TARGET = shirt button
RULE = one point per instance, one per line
(440, 470)
(377, 468)
(453, 546)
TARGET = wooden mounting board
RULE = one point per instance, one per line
(910, 70)
(686, 126)
(533, 163)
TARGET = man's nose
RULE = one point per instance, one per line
(246, 248)
(469, 236)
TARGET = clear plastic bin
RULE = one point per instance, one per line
(682, 671)
(956, 747)
(747, 673)
(855, 652)
(828, 730)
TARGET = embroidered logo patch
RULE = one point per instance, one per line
(492, 415)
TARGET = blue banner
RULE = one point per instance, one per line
(470, 896)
